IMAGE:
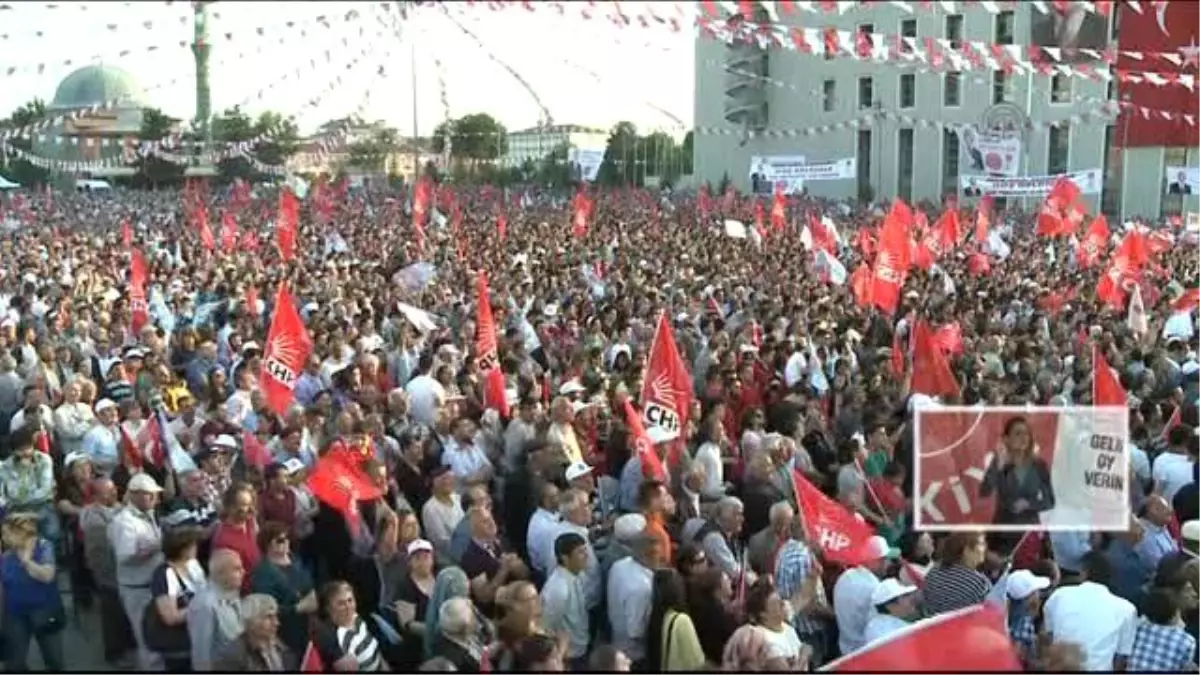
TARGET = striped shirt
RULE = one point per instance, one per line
(953, 587)
(357, 641)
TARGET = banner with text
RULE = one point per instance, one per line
(585, 164)
(1076, 474)
(1183, 180)
(1089, 183)
(984, 151)
(771, 172)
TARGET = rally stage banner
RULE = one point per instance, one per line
(1089, 183)
(585, 164)
(1082, 450)
(769, 173)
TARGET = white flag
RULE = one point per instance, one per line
(1138, 322)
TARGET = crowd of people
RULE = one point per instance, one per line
(529, 535)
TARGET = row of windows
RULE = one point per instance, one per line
(952, 31)
(1058, 153)
(1002, 84)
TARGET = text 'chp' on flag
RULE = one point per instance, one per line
(287, 351)
(666, 389)
(487, 349)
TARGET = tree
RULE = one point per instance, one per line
(20, 170)
(686, 150)
(620, 155)
(233, 126)
(282, 138)
(474, 139)
(372, 152)
(555, 168)
(153, 170)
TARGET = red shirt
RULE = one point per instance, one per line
(279, 507)
(242, 540)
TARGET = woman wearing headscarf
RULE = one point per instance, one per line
(746, 650)
(451, 582)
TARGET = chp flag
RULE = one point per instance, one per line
(288, 348)
(1081, 450)
(666, 389)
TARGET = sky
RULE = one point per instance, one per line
(586, 72)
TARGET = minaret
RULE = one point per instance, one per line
(201, 47)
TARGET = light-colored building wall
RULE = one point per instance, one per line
(534, 144)
(799, 105)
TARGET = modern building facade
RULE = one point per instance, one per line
(536, 143)
(895, 116)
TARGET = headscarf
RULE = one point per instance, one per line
(451, 582)
(745, 650)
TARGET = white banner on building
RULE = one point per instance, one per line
(988, 152)
(1089, 183)
(1183, 180)
(771, 172)
(585, 164)
(837, 169)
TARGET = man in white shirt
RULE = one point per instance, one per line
(852, 595)
(1089, 615)
(895, 605)
(564, 604)
(137, 546)
(465, 457)
(542, 530)
(425, 394)
(442, 512)
(1173, 468)
(630, 586)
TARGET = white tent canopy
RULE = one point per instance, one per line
(6, 184)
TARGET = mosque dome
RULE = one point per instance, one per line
(96, 84)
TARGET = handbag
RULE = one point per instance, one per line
(160, 637)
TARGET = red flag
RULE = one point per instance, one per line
(1187, 302)
(252, 301)
(580, 210)
(949, 338)
(861, 284)
(495, 392)
(286, 355)
(206, 233)
(891, 264)
(926, 646)
(652, 466)
(666, 386)
(1052, 220)
(312, 660)
(898, 356)
(501, 225)
(1095, 242)
(730, 201)
(287, 223)
(1162, 105)
(342, 485)
(250, 241)
(126, 233)
(128, 451)
(931, 373)
(705, 201)
(1106, 386)
(229, 232)
(253, 450)
(865, 242)
(486, 346)
(153, 434)
(983, 218)
(779, 211)
(139, 276)
(978, 264)
(829, 525)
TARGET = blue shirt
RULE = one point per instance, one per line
(1129, 575)
(24, 595)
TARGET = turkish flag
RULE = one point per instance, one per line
(341, 485)
(1106, 387)
(652, 466)
(840, 534)
(288, 348)
(1158, 105)
(139, 277)
(1095, 242)
(666, 385)
(974, 639)
(931, 373)
(287, 223)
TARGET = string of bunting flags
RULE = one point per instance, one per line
(938, 53)
(161, 148)
(284, 32)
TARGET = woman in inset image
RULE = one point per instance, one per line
(1018, 478)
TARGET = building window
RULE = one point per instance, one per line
(1058, 149)
(954, 30)
(1060, 88)
(908, 90)
(1111, 92)
(950, 152)
(1110, 191)
(1004, 28)
(908, 30)
(829, 95)
(1114, 25)
(999, 86)
(904, 165)
(952, 89)
(866, 93)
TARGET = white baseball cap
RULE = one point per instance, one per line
(571, 387)
(1023, 583)
(104, 404)
(888, 590)
(578, 470)
(225, 441)
(629, 526)
(142, 483)
(417, 545)
(877, 547)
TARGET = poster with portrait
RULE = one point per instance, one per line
(1076, 456)
(984, 151)
(771, 172)
(585, 164)
(1183, 180)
